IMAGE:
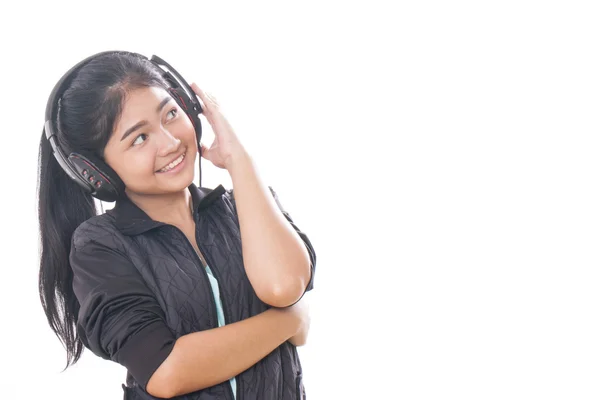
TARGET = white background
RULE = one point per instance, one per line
(442, 156)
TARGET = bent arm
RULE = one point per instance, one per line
(275, 257)
(203, 359)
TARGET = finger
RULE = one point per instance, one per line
(201, 94)
(196, 89)
(203, 149)
(206, 98)
(204, 153)
(212, 98)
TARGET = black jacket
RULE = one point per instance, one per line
(140, 286)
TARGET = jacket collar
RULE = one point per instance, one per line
(132, 220)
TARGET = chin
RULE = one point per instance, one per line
(177, 182)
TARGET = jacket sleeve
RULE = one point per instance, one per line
(119, 318)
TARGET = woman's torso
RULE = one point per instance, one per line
(172, 268)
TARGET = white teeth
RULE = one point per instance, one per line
(173, 164)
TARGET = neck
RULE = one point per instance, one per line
(172, 208)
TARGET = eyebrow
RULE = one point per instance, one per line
(144, 122)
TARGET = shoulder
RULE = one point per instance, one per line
(228, 198)
(98, 252)
(98, 229)
(229, 195)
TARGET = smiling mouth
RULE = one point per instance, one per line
(173, 164)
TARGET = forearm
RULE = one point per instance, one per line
(275, 257)
(203, 359)
(300, 338)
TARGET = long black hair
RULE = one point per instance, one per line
(88, 110)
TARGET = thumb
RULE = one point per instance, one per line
(204, 151)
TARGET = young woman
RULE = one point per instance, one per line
(196, 291)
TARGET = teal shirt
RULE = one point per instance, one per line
(220, 316)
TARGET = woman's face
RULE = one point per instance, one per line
(153, 146)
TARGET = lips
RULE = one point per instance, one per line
(178, 160)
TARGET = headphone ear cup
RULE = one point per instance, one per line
(186, 104)
(101, 179)
(64, 162)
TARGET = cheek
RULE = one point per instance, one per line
(136, 167)
(186, 131)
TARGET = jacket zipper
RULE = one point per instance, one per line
(215, 272)
(213, 317)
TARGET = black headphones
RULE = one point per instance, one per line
(89, 171)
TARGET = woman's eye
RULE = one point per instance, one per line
(137, 140)
(174, 111)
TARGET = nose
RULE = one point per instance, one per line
(168, 144)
